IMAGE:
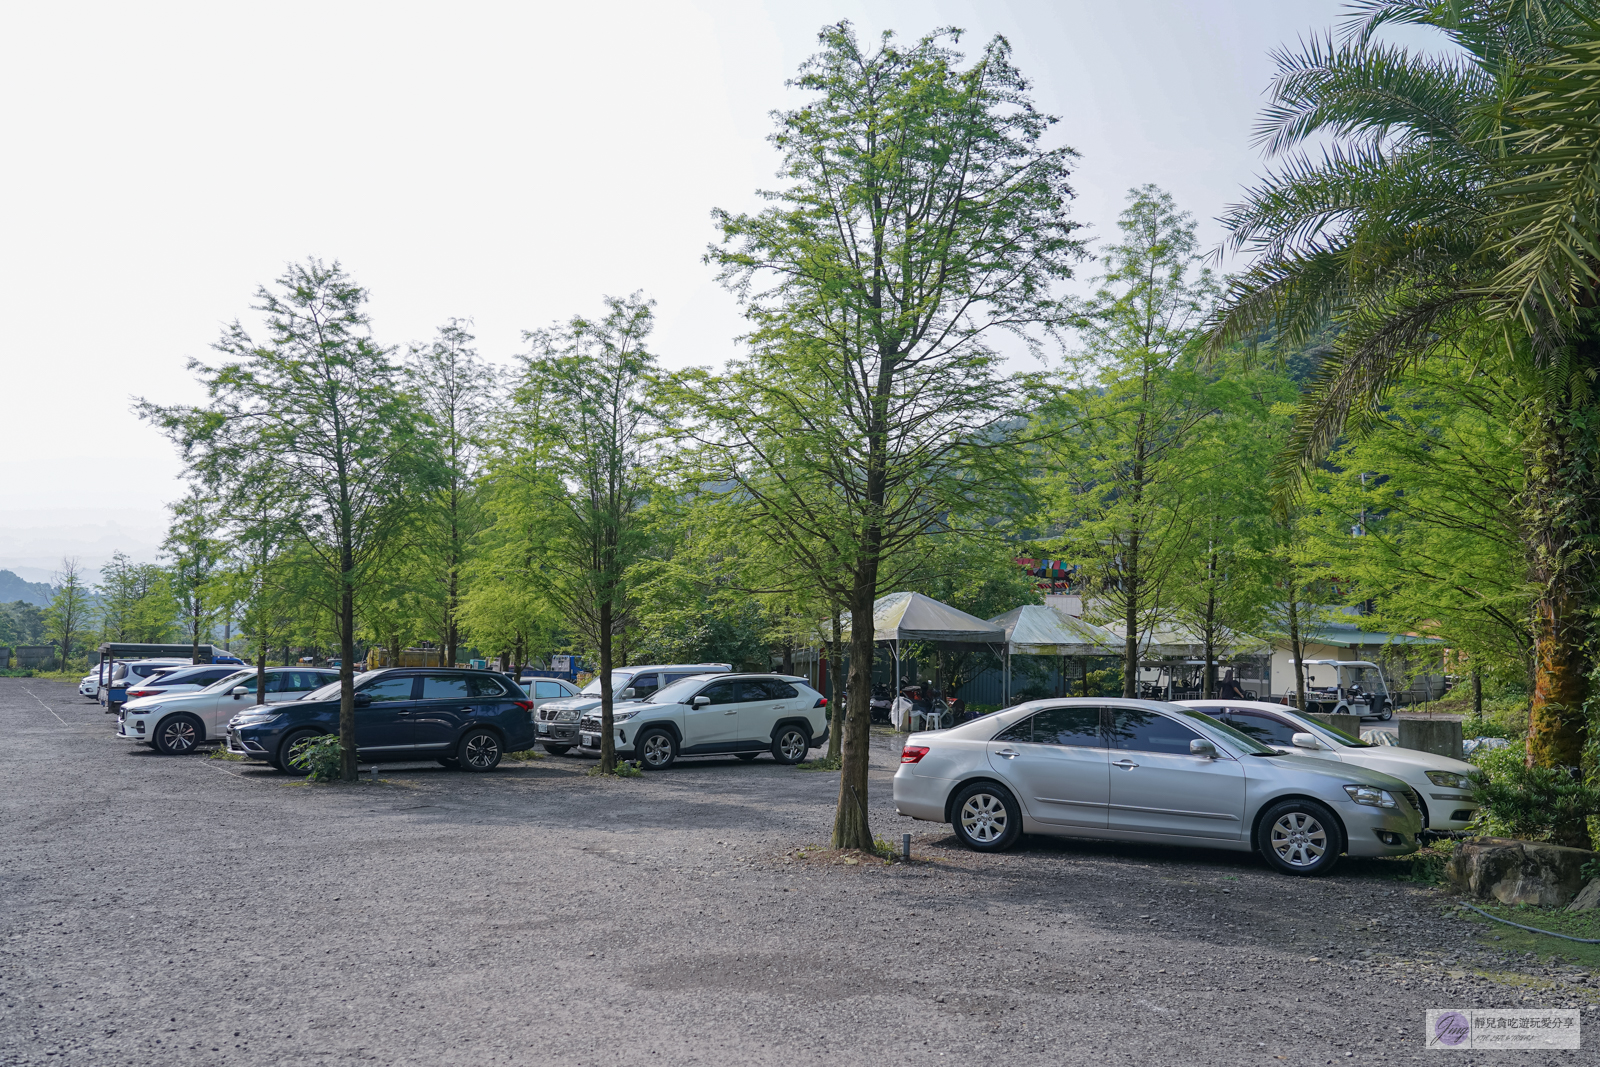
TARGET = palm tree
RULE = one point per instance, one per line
(1453, 213)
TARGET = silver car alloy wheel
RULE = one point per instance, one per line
(177, 735)
(1299, 839)
(984, 818)
(482, 751)
(657, 750)
(792, 743)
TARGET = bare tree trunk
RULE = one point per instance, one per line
(261, 672)
(347, 651)
(1296, 646)
(851, 828)
(1130, 619)
(608, 743)
(1558, 507)
(1208, 673)
(836, 708)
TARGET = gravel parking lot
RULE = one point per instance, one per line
(195, 911)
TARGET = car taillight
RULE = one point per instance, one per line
(913, 753)
(822, 702)
(144, 692)
(525, 705)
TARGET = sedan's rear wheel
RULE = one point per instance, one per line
(177, 735)
(987, 817)
(1300, 837)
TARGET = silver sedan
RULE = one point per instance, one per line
(1147, 771)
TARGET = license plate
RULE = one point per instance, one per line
(591, 740)
(544, 728)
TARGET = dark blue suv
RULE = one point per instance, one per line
(458, 717)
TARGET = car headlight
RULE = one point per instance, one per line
(146, 710)
(1450, 780)
(568, 716)
(1370, 794)
(623, 716)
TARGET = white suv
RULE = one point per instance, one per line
(174, 725)
(717, 714)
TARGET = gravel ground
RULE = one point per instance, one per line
(196, 911)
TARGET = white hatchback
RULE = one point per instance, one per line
(176, 724)
(1443, 785)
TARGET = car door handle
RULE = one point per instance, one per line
(1008, 753)
(1125, 764)
(733, 712)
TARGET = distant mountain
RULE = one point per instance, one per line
(14, 588)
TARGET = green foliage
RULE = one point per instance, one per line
(320, 757)
(67, 619)
(135, 601)
(827, 763)
(1534, 803)
(1426, 490)
(21, 623)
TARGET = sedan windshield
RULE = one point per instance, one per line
(619, 682)
(1243, 740)
(678, 692)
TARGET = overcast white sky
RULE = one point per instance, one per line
(508, 163)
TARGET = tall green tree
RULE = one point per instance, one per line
(1123, 476)
(598, 440)
(1412, 515)
(316, 423)
(1448, 188)
(923, 216)
(66, 620)
(135, 601)
(457, 389)
(198, 560)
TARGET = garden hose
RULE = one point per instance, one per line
(1535, 929)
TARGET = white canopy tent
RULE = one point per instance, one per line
(1036, 630)
(901, 617)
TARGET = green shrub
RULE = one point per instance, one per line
(625, 769)
(319, 756)
(1532, 803)
(16, 672)
(824, 763)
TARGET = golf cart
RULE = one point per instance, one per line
(1358, 688)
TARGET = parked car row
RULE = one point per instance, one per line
(1241, 775)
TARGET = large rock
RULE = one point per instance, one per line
(1589, 899)
(1518, 872)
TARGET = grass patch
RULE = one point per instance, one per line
(1558, 920)
(16, 672)
(527, 755)
(221, 752)
(823, 764)
(625, 769)
(1424, 866)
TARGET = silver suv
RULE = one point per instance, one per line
(557, 721)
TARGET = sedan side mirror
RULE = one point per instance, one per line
(1305, 740)
(628, 694)
(363, 699)
(239, 691)
(1198, 747)
(701, 701)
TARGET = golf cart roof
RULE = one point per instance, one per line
(1341, 662)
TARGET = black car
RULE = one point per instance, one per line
(461, 718)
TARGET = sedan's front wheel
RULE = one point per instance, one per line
(987, 817)
(1300, 837)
